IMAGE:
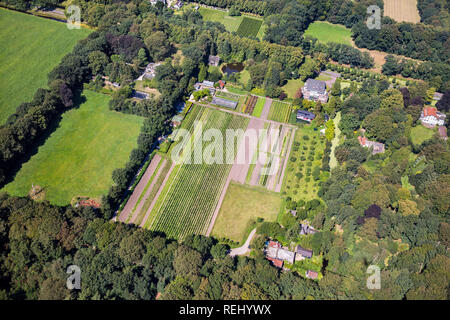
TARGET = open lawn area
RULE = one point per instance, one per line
(292, 86)
(419, 134)
(327, 32)
(79, 157)
(31, 48)
(241, 206)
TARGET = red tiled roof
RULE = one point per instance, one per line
(276, 262)
(274, 244)
(430, 111)
(312, 274)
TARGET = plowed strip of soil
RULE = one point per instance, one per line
(239, 171)
(147, 214)
(147, 193)
(266, 109)
(280, 179)
(139, 189)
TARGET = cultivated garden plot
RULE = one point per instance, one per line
(249, 27)
(280, 111)
(303, 173)
(250, 103)
(190, 196)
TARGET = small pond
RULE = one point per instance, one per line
(234, 67)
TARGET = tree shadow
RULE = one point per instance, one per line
(78, 99)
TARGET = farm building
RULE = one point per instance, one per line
(213, 61)
(205, 85)
(278, 255)
(305, 115)
(315, 90)
(378, 147)
(224, 103)
(303, 253)
(311, 274)
(430, 117)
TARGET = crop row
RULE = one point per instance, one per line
(250, 104)
(192, 197)
(280, 111)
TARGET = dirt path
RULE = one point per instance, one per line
(280, 180)
(266, 109)
(131, 203)
(149, 190)
(271, 182)
(245, 248)
(147, 214)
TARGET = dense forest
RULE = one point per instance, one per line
(387, 209)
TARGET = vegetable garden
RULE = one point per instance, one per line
(250, 104)
(280, 111)
(190, 196)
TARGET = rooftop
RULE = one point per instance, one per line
(316, 86)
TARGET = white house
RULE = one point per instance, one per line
(430, 117)
(315, 90)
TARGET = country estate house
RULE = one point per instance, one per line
(430, 117)
(378, 147)
(315, 90)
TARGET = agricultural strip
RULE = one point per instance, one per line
(135, 197)
(259, 107)
(79, 157)
(188, 201)
(285, 163)
(31, 48)
(249, 27)
(280, 112)
(266, 110)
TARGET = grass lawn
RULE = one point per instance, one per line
(31, 48)
(327, 32)
(419, 134)
(292, 86)
(80, 156)
(241, 205)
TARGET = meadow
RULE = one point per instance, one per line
(31, 48)
(292, 86)
(79, 157)
(249, 27)
(280, 111)
(327, 32)
(242, 206)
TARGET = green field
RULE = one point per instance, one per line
(327, 32)
(280, 111)
(249, 27)
(80, 156)
(241, 206)
(244, 25)
(31, 48)
(191, 194)
(419, 134)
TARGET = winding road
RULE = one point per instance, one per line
(245, 248)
